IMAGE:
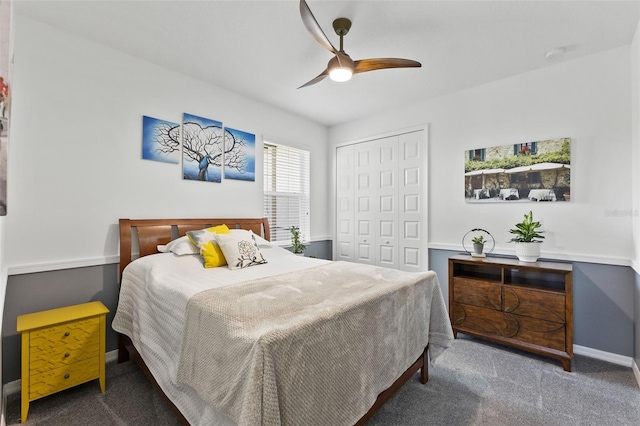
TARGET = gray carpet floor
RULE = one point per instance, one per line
(472, 383)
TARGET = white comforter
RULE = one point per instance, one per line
(153, 299)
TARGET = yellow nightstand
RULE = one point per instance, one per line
(61, 348)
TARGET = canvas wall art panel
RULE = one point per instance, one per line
(519, 173)
(202, 149)
(240, 155)
(5, 99)
(160, 140)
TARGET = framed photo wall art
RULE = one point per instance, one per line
(519, 173)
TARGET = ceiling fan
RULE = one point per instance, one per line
(341, 67)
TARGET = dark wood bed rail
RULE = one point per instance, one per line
(152, 232)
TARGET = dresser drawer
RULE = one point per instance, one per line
(539, 304)
(44, 384)
(477, 293)
(536, 331)
(483, 320)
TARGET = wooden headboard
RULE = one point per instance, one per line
(146, 234)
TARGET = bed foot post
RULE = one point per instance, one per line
(424, 371)
(123, 353)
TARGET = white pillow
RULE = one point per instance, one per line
(240, 249)
(259, 240)
(180, 246)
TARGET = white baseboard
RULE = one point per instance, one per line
(14, 387)
(626, 361)
(636, 372)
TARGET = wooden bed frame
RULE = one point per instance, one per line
(147, 234)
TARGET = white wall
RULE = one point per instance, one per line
(635, 195)
(75, 161)
(635, 145)
(586, 99)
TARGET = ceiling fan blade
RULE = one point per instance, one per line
(365, 65)
(316, 80)
(314, 28)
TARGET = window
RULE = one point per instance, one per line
(525, 148)
(286, 190)
(477, 154)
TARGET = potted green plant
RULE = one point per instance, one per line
(478, 244)
(297, 245)
(527, 238)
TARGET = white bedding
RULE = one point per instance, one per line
(153, 299)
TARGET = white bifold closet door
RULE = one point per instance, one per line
(380, 209)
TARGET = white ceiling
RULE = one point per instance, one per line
(262, 50)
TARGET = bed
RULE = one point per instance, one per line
(291, 340)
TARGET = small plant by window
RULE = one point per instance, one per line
(296, 240)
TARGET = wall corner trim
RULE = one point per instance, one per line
(636, 372)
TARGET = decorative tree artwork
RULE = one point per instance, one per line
(202, 149)
(160, 140)
(521, 172)
(240, 155)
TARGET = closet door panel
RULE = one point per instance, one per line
(387, 193)
(366, 202)
(412, 247)
(345, 204)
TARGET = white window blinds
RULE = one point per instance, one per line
(286, 191)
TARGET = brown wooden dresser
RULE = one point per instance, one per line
(526, 305)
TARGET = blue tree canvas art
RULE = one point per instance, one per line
(202, 149)
(160, 140)
(240, 155)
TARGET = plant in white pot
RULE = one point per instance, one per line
(527, 239)
(478, 244)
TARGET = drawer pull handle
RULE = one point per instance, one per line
(66, 355)
(66, 376)
(66, 334)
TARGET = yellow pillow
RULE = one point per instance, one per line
(212, 255)
(201, 236)
(205, 240)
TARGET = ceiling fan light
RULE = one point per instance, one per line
(340, 74)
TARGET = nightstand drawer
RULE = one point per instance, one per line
(62, 378)
(45, 357)
(75, 332)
